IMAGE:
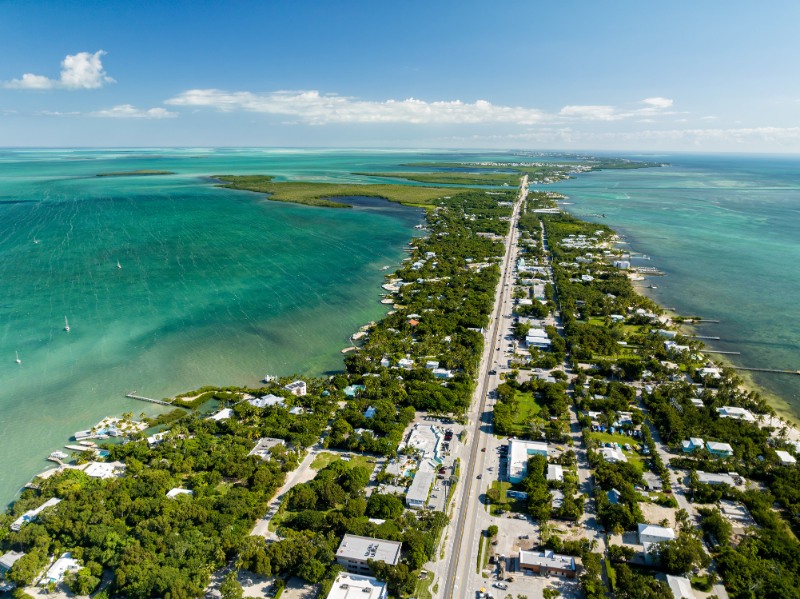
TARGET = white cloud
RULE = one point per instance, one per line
(128, 111)
(315, 108)
(591, 113)
(78, 71)
(660, 103)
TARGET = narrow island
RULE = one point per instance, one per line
(517, 364)
(139, 173)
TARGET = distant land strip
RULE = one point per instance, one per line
(139, 173)
(319, 194)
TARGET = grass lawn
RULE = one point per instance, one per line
(422, 590)
(527, 408)
(325, 459)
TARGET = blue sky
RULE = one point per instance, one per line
(704, 76)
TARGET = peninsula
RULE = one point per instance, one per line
(520, 410)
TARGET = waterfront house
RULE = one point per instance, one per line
(223, 414)
(355, 586)
(720, 450)
(298, 388)
(693, 444)
(786, 458)
(32, 515)
(156, 439)
(736, 413)
(268, 401)
(104, 470)
(622, 264)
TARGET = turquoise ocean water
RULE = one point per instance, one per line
(222, 287)
(726, 231)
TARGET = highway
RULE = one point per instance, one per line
(469, 509)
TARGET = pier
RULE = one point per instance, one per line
(771, 370)
(160, 402)
(705, 337)
(725, 353)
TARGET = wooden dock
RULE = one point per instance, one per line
(705, 337)
(725, 353)
(160, 402)
(771, 370)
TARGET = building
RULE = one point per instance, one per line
(104, 470)
(622, 264)
(173, 493)
(555, 472)
(537, 338)
(354, 552)
(431, 364)
(649, 534)
(693, 444)
(614, 496)
(154, 440)
(681, 587)
(717, 478)
(268, 401)
(785, 457)
(406, 363)
(223, 414)
(65, 563)
(7, 561)
(720, 450)
(385, 362)
(353, 390)
(417, 495)
(556, 498)
(262, 448)
(31, 515)
(519, 452)
(297, 388)
(736, 413)
(353, 586)
(370, 412)
(547, 562)
(442, 373)
(613, 454)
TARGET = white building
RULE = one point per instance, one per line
(555, 472)
(267, 401)
(519, 452)
(736, 413)
(785, 457)
(651, 535)
(66, 563)
(406, 363)
(31, 515)
(693, 444)
(354, 552)
(104, 470)
(262, 448)
(681, 587)
(720, 450)
(173, 493)
(223, 414)
(417, 495)
(298, 388)
(716, 478)
(613, 454)
(353, 586)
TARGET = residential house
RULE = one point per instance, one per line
(297, 388)
(693, 444)
(720, 450)
(786, 458)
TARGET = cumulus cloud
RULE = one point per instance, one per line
(78, 71)
(128, 111)
(591, 113)
(315, 108)
(661, 103)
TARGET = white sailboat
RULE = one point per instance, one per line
(18, 360)
(36, 240)
(66, 324)
(118, 264)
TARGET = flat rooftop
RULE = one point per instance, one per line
(364, 548)
(353, 586)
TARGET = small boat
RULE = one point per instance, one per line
(36, 240)
(118, 264)
(66, 324)
(58, 455)
(18, 360)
